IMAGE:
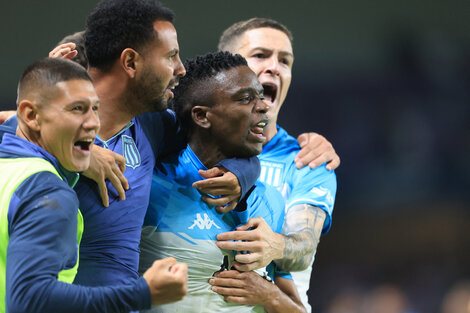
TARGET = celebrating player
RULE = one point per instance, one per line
(309, 194)
(219, 104)
(40, 221)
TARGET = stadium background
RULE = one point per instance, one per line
(388, 83)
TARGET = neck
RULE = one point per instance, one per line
(206, 151)
(270, 131)
(114, 109)
(23, 132)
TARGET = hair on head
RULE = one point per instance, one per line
(198, 70)
(48, 72)
(115, 25)
(236, 30)
(79, 40)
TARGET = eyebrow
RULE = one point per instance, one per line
(283, 52)
(248, 90)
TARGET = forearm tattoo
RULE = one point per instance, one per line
(302, 230)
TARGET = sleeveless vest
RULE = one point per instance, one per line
(13, 173)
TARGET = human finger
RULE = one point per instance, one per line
(334, 164)
(61, 48)
(227, 291)
(239, 245)
(238, 235)
(227, 208)
(103, 192)
(116, 180)
(212, 172)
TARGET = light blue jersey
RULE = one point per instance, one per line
(179, 224)
(316, 187)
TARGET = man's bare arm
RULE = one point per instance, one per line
(292, 251)
(302, 230)
(251, 289)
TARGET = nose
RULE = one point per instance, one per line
(179, 71)
(261, 106)
(273, 65)
(92, 121)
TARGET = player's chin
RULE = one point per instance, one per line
(253, 148)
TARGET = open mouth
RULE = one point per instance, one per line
(270, 92)
(258, 129)
(83, 144)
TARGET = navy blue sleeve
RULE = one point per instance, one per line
(42, 220)
(166, 137)
(8, 127)
(246, 170)
(163, 132)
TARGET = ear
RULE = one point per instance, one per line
(28, 112)
(130, 61)
(199, 114)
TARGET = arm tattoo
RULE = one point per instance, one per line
(302, 229)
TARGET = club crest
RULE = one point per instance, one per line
(130, 152)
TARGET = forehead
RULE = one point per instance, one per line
(233, 80)
(167, 37)
(72, 90)
(267, 38)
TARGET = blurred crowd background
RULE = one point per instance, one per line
(388, 83)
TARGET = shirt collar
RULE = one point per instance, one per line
(21, 147)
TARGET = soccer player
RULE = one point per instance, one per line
(309, 194)
(133, 56)
(219, 104)
(40, 221)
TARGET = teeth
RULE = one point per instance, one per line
(261, 124)
(87, 140)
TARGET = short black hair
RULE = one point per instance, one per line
(115, 25)
(79, 40)
(232, 33)
(198, 71)
(48, 72)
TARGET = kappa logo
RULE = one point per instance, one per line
(130, 152)
(206, 223)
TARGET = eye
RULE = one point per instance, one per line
(285, 61)
(95, 108)
(259, 56)
(247, 99)
(77, 108)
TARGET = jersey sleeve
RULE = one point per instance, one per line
(163, 132)
(43, 241)
(247, 171)
(316, 187)
(275, 271)
(267, 202)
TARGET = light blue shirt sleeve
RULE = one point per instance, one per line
(315, 187)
